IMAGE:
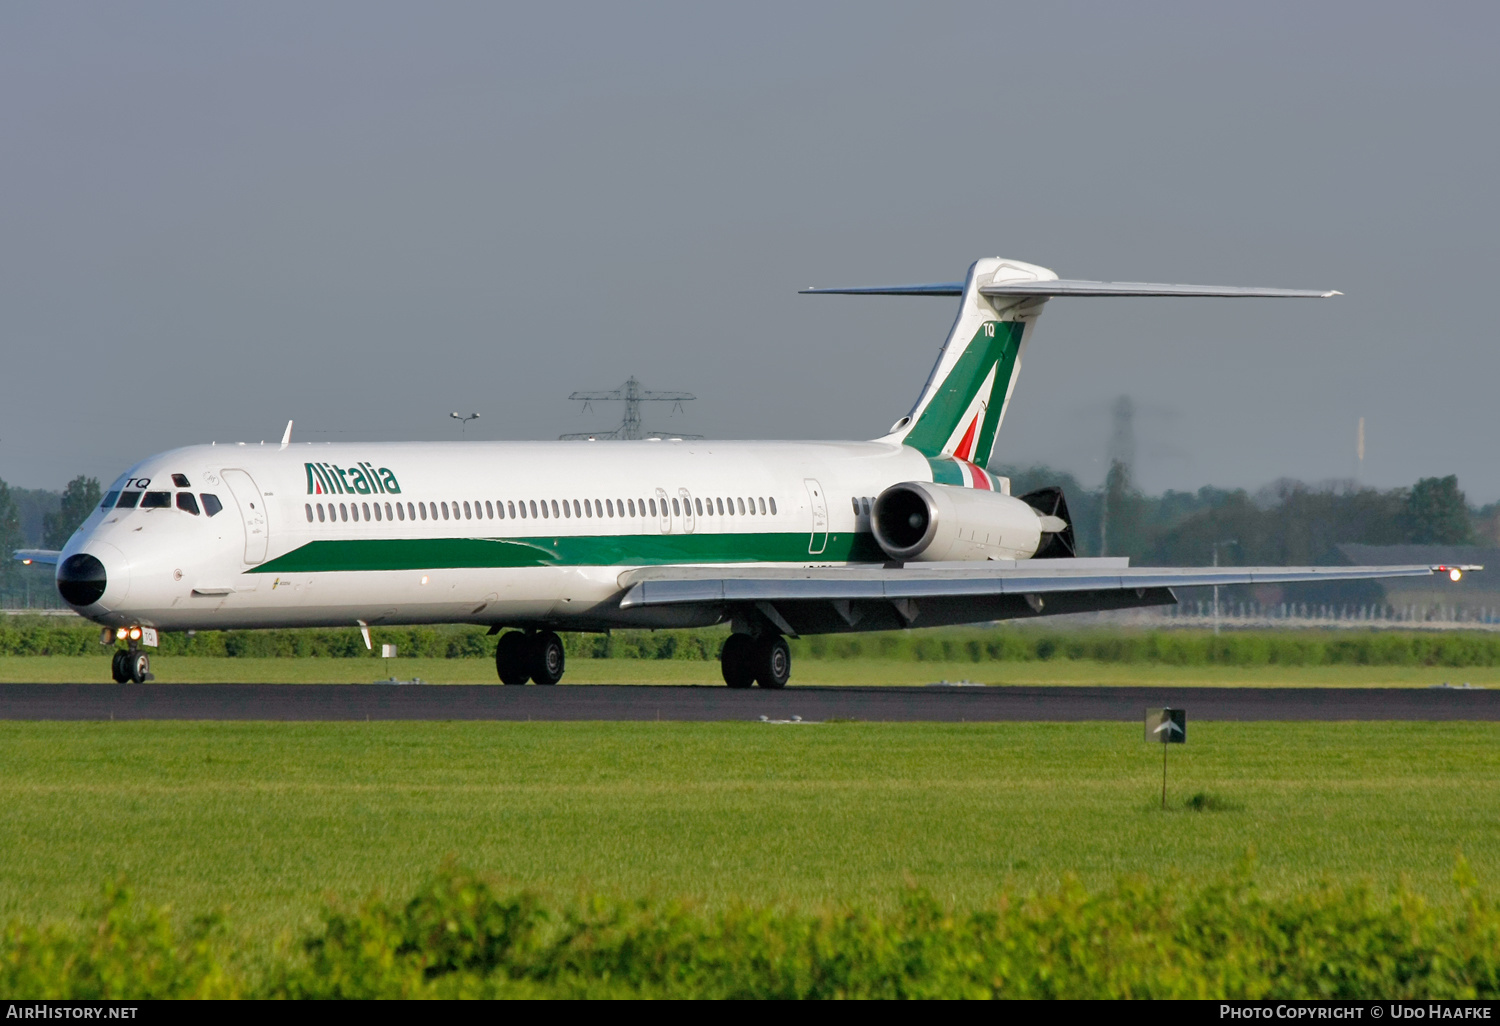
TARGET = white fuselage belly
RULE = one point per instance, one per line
(269, 567)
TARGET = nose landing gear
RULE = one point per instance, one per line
(531, 655)
(131, 666)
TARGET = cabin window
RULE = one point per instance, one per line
(500, 509)
(698, 505)
(721, 506)
(489, 510)
(742, 506)
(388, 515)
(567, 512)
(423, 507)
(510, 507)
(531, 504)
(676, 508)
(609, 508)
(445, 511)
(306, 505)
(588, 508)
(354, 512)
(653, 507)
(366, 507)
(554, 507)
(377, 511)
(773, 506)
(343, 512)
(211, 503)
(762, 505)
(321, 518)
(157, 500)
(181, 481)
(400, 512)
(468, 514)
(855, 504)
(109, 500)
(632, 507)
(575, 508)
(128, 500)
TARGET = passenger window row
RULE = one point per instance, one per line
(163, 500)
(533, 509)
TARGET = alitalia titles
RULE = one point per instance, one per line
(360, 479)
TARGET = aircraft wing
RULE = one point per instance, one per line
(815, 599)
(47, 557)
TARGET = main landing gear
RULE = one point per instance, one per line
(130, 666)
(530, 655)
(765, 660)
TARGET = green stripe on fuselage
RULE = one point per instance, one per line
(364, 554)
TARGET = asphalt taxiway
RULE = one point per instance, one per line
(344, 702)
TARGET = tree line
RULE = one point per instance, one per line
(1286, 523)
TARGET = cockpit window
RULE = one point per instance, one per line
(186, 502)
(181, 481)
(128, 500)
(157, 500)
(211, 503)
(109, 500)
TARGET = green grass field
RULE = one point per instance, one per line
(180, 669)
(271, 820)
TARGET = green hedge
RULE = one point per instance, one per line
(461, 936)
(1173, 648)
(42, 636)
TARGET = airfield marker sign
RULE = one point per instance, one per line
(1166, 727)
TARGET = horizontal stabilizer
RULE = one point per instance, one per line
(942, 288)
(1067, 287)
(1070, 287)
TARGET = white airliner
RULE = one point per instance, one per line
(775, 538)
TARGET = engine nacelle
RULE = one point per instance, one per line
(917, 521)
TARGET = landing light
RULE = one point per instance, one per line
(120, 634)
(25, 562)
(135, 634)
(1455, 574)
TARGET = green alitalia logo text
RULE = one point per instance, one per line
(360, 479)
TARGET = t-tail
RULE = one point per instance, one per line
(960, 409)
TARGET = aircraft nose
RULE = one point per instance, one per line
(81, 579)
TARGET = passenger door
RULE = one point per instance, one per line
(253, 511)
(664, 505)
(819, 540)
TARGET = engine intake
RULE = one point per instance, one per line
(918, 522)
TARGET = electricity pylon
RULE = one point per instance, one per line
(632, 395)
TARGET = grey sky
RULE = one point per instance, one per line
(363, 216)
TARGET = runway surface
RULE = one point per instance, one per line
(334, 702)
